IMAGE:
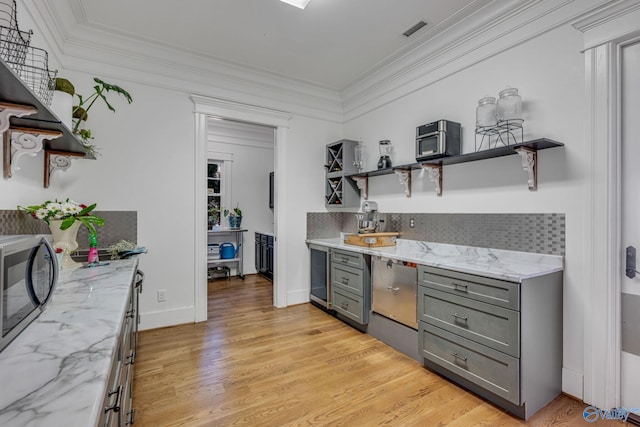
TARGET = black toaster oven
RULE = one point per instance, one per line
(437, 139)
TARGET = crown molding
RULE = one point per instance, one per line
(609, 23)
(505, 26)
(82, 47)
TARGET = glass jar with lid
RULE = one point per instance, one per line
(486, 112)
(509, 105)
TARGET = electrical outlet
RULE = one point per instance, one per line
(412, 223)
(162, 295)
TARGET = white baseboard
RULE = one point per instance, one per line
(572, 383)
(162, 319)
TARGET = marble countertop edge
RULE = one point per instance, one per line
(501, 264)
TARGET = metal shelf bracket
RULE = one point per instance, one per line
(405, 179)
(529, 164)
(23, 141)
(362, 182)
(435, 176)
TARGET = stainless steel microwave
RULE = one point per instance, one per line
(437, 139)
(28, 275)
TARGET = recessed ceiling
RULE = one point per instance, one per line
(331, 43)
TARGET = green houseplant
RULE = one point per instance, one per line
(81, 111)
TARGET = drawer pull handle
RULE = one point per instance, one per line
(116, 406)
(344, 306)
(457, 356)
(457, 316)
(391, 288)
(345, 280)
(345, 260)
(462, 287)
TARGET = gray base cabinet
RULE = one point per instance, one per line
(351, 285)
(118, 402)
(500, 339)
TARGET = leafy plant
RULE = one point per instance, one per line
(67, 211)
(235, 212)
(80, 111)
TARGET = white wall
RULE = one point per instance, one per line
(147, 165)
(549, 72)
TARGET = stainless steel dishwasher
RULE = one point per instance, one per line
(395, 286)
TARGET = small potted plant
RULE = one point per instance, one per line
(235, 217)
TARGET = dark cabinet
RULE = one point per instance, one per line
(264, 255)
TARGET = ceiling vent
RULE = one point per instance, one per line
(414, 29)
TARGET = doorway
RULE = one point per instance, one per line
(242, 155)
(206, 108)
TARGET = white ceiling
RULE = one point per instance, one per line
(332, 43)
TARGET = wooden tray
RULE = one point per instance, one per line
(371, 240)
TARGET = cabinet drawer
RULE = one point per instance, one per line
(351, 259)
(492, 291)
(495, 371)
(350, 306)
(487, 324)
(348, 278)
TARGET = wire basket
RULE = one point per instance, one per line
(36, 75)
(13, 42)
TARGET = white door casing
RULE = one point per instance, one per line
(605, 32)
(205, 107)
(630, 212)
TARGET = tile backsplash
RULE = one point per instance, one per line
(538, 233)
(119, 225)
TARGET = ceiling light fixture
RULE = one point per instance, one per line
(297, 3)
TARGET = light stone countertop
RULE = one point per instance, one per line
(55, 372)
(495, 263)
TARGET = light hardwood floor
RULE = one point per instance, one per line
(253, 365)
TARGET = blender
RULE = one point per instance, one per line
(385, 152)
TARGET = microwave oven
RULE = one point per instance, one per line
(437, 139)
(28, 275)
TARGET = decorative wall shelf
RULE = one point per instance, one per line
(14, 91)
(527, 150)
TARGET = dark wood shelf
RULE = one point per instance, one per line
(13, 90)
(535, 145)
(530, 147)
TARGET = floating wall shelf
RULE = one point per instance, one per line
(527, 150)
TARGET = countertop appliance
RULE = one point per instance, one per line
(437, 139)
(320, 280)
(28, 275)
(368, 219)
(395, 287)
